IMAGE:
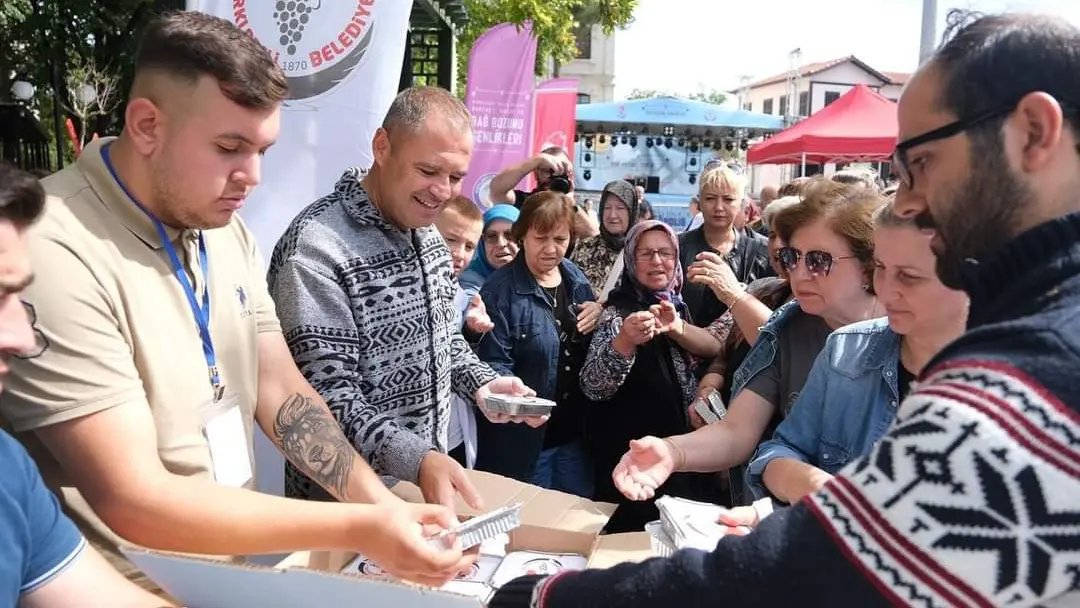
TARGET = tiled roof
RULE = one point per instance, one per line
(898, 77)
(814, 68)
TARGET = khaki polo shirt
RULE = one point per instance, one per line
(119, 329)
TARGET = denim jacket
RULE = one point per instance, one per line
(763, 352)
(848, 402)
(525, 340)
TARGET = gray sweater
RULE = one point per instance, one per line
(368, 312)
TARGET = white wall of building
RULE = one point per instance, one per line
(775, 91)
(839, 79)
(596, 74)
(892, 91)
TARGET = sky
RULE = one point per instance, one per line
(683, 46)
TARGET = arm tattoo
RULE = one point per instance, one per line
(311, 439)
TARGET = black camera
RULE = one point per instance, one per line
(559, 183)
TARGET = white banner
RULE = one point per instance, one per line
(343, 61)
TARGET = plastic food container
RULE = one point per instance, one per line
(519, 406)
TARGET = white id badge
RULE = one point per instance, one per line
(223, 426)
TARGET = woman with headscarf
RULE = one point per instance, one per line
(597, 256)
(639, 371)
(496, 249)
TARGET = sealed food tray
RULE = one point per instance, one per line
(519, 406)
(661, 543)
(710, 408)
(482, 527)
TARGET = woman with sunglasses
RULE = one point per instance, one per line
(639, 372)
(829, 260)
(543, 310)
(865, 369)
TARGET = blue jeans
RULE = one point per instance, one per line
(566, 468)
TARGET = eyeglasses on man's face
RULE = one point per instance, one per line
(901, 162)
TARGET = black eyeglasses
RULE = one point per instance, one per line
(900, 159)
(817, 262)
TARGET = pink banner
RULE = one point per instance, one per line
(554, 112)
(499, 94)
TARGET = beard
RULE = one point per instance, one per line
(978, 217)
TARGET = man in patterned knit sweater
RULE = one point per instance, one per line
(365, 292)
(973, 496)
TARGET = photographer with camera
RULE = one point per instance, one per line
(553, 172)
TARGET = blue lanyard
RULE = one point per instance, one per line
(200, 312)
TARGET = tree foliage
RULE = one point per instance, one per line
(42, 41)
(711, 96)
(553, 23)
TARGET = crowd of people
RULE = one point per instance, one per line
(900, 426)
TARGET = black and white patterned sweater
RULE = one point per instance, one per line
(368, 312)
(971, 499)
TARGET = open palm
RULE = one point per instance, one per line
(644, 468)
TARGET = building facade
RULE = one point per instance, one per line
(594, 67)
(816, 86)
(795, 96)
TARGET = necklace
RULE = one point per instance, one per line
(553, 293)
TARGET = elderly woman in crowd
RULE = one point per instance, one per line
(829, 260)
(865, 369)
(639, 372)
(543, 309)
(599, 257)
(495, 250)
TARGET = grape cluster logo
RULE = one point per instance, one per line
(292, 18)
(318, 43)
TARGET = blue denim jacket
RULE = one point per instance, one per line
(846, 405)
(525, 340)
(763, 352)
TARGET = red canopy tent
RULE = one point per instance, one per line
(859, 126)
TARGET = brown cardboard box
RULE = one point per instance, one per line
(551, 522)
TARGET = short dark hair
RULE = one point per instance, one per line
(21, 196)
(190, 44)
(989, 62)
(544, 211)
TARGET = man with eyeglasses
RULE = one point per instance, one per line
(971, 497)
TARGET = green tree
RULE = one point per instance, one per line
(43, 40)
(553, 24)
(711, 96)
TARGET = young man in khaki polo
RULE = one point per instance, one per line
(163, 349)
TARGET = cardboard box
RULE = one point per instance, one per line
(552, 522)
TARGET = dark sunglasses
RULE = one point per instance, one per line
(817, 262)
